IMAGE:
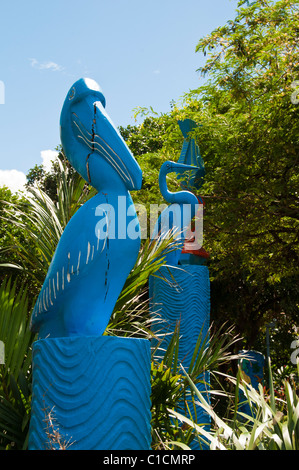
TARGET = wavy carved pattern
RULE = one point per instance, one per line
(98, 389)
(185, 298)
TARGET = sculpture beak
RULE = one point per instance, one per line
(115, 150)
(181, 166)
(106, 141)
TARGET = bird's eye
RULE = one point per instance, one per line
(72, 93)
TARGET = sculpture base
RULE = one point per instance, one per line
(183, 300)
(91, 393)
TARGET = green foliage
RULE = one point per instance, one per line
(8, 259)
(249, 142)
(171, 388)
(130, 316)
(146, 138)
(45, 180)
(42, 220)
(15, 373)
(48, 181)
(273, 423)
(147, 143)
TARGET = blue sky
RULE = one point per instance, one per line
(142, 53)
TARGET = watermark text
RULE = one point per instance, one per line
(2, 353)
(161, 221)
(295, 353)
(295, 94)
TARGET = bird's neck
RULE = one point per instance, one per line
(103, 179)
(181, 197)
(113, 191)
(111, 185)
(163, 187)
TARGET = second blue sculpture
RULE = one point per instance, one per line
(180, 293)
(91, 393)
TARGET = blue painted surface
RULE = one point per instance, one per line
(178, 215)
(91, 392)
(182, 296)
(252, 364)
(96, 389)
(180, 293)
(89, 269)
(91, 141)
(190, 155)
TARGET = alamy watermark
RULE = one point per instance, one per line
(2, 92)
(295, 353)
(162, 221)
(2, 353)
(295, 94)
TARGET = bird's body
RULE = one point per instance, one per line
(176, 218)
(95, 254)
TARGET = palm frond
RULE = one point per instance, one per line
(273, 424)
(43, 221)
(131, 313)
(15, 373)
(172, 394)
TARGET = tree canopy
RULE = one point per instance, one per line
(249, 141)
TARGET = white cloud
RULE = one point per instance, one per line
(48, 156)
(13, 179)
(46, 65)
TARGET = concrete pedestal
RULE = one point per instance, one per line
(91, 393)
(184, 299)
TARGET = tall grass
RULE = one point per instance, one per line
(273, 423)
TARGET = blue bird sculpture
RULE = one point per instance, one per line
(177, 217)
(190, 155)
(95, 254)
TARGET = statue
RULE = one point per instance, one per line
(90, 389)
(176, 218)
(93, 258)
(180, 293)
